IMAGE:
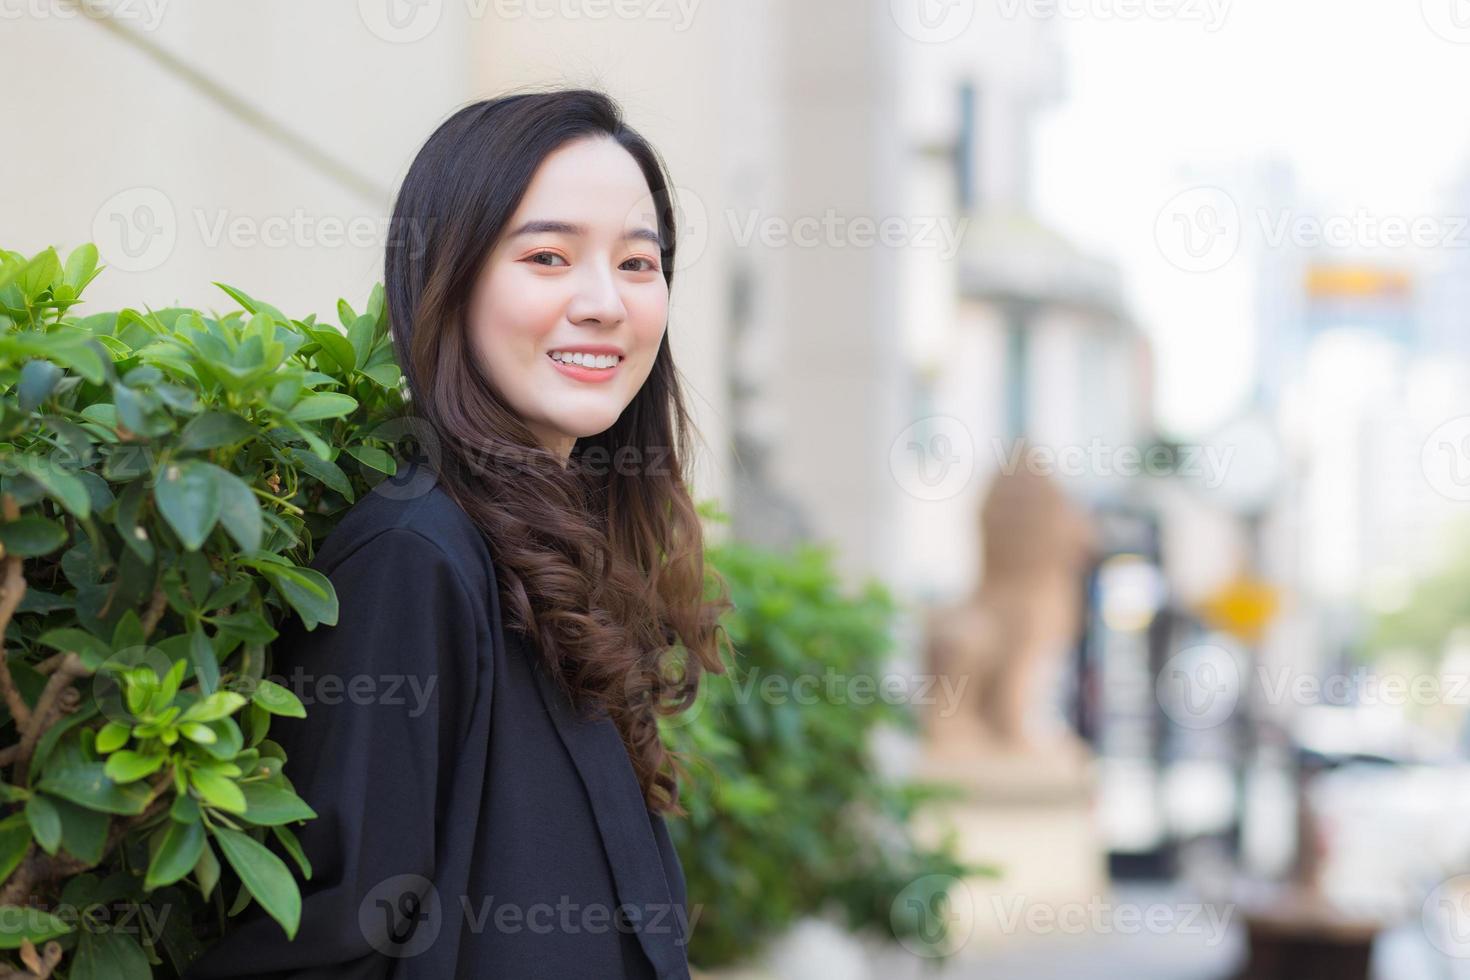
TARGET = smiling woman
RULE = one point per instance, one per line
(514, 825)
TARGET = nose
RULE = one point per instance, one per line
(597, 300)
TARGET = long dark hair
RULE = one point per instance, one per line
(600, 562)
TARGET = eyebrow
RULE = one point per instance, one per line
(568, 228)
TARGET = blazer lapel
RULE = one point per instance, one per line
(624, 824)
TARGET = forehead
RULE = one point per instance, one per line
(589, 179)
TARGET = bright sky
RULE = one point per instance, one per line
(1365, 99)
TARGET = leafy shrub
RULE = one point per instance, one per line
(164, 476)
(788, 815)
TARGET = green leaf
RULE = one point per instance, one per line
(109, 955)
(206, 663)
(214, 429)
(83, 831)
(206, 872)
(81, 266)
(251, 627)
(188, 497)
(127, 766)
(45, 822)
(220, 704)
(37, 380)
(31, 537)
(40, 272)
(361, 336)
(252, 305)
(81, 357)
(89, 785)
(129, 503)
(111, 737)
(178, 852)
(228, 739)
(60, 483)
(322, 405)
(308, 591)
(293, 847)
(268, 805)
(373, 458)
(15, 837)
(198, 731)
(278, 700)
(53, 734)
(218, 791)
(21, 922)
(184, 809)
(386, 375)
(336, 347)
(377, 305)
(324, 470)
(239, 510)
(266, 875)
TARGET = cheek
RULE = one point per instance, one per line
(647, 315)
(508, 319)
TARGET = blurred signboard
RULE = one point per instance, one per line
(1242, 608)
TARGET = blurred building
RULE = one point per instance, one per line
(1018, 335)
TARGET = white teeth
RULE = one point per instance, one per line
(586, 360)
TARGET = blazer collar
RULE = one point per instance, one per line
(624, 823)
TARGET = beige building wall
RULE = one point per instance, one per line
(178, 192)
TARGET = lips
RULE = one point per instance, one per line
(580, 372)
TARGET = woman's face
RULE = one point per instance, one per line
(570, 306)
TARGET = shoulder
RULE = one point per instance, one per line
(415, 519)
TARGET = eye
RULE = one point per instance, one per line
(538, 255)
(650, 265)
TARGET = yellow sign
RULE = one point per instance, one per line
(1243, 608)
(1357, 282)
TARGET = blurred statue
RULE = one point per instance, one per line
(1007, 641)
(1028, 789)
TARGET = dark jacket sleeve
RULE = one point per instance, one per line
(383, 691)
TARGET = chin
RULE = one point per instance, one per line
(584, 426)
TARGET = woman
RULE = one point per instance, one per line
(481, 741)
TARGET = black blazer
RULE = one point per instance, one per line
(469, 825)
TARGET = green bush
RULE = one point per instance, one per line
(164, 476)
(788, 816)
